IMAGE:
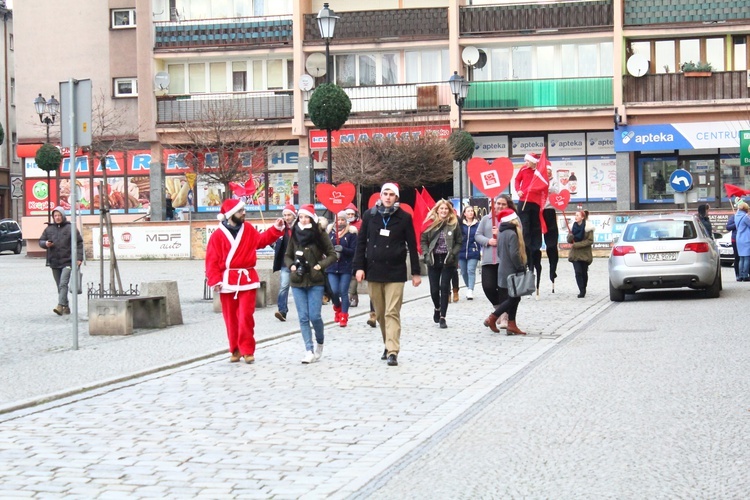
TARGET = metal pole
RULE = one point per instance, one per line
(328, 131)
(460, 162)
(49, 190)
(74, 231)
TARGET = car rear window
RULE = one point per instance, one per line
(660, 230)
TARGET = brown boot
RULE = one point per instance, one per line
(455, 295)
(491, 322)
(372, 321)
(513, 329)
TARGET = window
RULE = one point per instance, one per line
(126, 87)
(740, 52)
(12, 91)
(239, 76)
(123, 18)
(197, 78)
(11, 44)
(427, 66)
(14, 141)
(667, 56)
(218, 72)
(176, 78)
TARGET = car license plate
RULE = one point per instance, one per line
(726, 251)
(659, 257)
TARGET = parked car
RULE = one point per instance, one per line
(726, 251)
(664, 251)
(10, 236)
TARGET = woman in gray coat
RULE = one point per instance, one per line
(486, 236)
(511, 253)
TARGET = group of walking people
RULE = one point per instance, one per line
(380, 247)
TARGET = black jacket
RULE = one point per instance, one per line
(279, 249)
(383, 258)
(58, 256)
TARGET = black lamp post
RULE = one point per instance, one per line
(327, 24)
(50, 109)
(459, 89)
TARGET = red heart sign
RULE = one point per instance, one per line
(560, 200)
(373, 200)
(490, 179)
(335, 198)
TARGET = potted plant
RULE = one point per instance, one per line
(700, 68)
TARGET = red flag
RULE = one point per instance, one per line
(733, 190)
(427, 198)
(420, 213)
(541, 168)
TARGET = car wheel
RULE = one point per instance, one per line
(714, 291)
(17, 250)
(615, 295)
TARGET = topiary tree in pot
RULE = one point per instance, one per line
(48, 158)
(329, 108)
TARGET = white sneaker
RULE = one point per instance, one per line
(469, 294)
(308, 358)
(318, 351)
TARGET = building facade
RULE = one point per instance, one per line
(596, 82)
(10, 169)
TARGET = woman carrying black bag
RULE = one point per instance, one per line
(511, 254)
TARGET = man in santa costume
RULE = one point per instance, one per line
(230, 270)
(532, 189)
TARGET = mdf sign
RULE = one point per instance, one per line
(152, 242)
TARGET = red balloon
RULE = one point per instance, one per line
(373, 200)
(560, 200)
(490, 179)
(335, 198)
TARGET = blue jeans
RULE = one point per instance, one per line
(309, 301)
(340, 288)
(468, 271)
(744, 267)
(282, 301)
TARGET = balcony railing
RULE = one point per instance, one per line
(378, 25)
(245, 106)
(213, 33)
(536, 94)
(528, 18)
(677, 88)
(408, 98)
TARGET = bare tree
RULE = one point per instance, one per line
(410, 162)
(222, 146)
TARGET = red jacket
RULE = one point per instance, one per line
(231, 261)
(534, 190)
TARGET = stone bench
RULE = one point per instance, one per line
(169, 290)
(120, 315)
(265, 295)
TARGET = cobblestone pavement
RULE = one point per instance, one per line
(273, 429)
(650, 400)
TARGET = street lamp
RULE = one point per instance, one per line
(50, 108)
(459, 89)
(327, 24)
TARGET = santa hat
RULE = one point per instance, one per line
(230, 207)
(532, 157)
(290, 209)
(392, 186)
(507, 215)
(351, 207)
(308, 210)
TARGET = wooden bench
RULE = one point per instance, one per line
(120, 315)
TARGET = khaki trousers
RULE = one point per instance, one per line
(387, 298)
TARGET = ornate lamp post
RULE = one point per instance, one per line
(49, 108)
(459, 89)
(327, 24)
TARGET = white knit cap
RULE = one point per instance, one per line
(390, 185)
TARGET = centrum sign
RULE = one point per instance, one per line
(706, 135)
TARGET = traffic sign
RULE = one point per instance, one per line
(681, 180)
(745, 148)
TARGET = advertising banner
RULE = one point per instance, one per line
(567, 144)
(37, 196)
(669, 136)
(318, 139)
(490, 147)
(169, 241)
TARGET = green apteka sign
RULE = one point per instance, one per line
(745, 148)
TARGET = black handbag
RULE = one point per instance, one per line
(520, 284)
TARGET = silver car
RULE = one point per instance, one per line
(664, 251)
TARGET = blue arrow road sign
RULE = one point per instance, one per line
(681, 180)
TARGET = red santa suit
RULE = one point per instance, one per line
(230, 262)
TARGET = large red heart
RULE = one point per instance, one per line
(560, 200)
(490, 179)
(373, 200)
(335, 198)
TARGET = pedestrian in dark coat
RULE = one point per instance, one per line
(279, 250)
(581, 236)
(386, 236)
(56, 240)
(344, 239)
(468, 257)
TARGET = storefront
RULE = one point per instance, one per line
(709, 151)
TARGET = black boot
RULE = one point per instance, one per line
(580, 281)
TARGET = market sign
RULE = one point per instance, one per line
(745, 148)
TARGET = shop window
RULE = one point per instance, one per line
(654, 179)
